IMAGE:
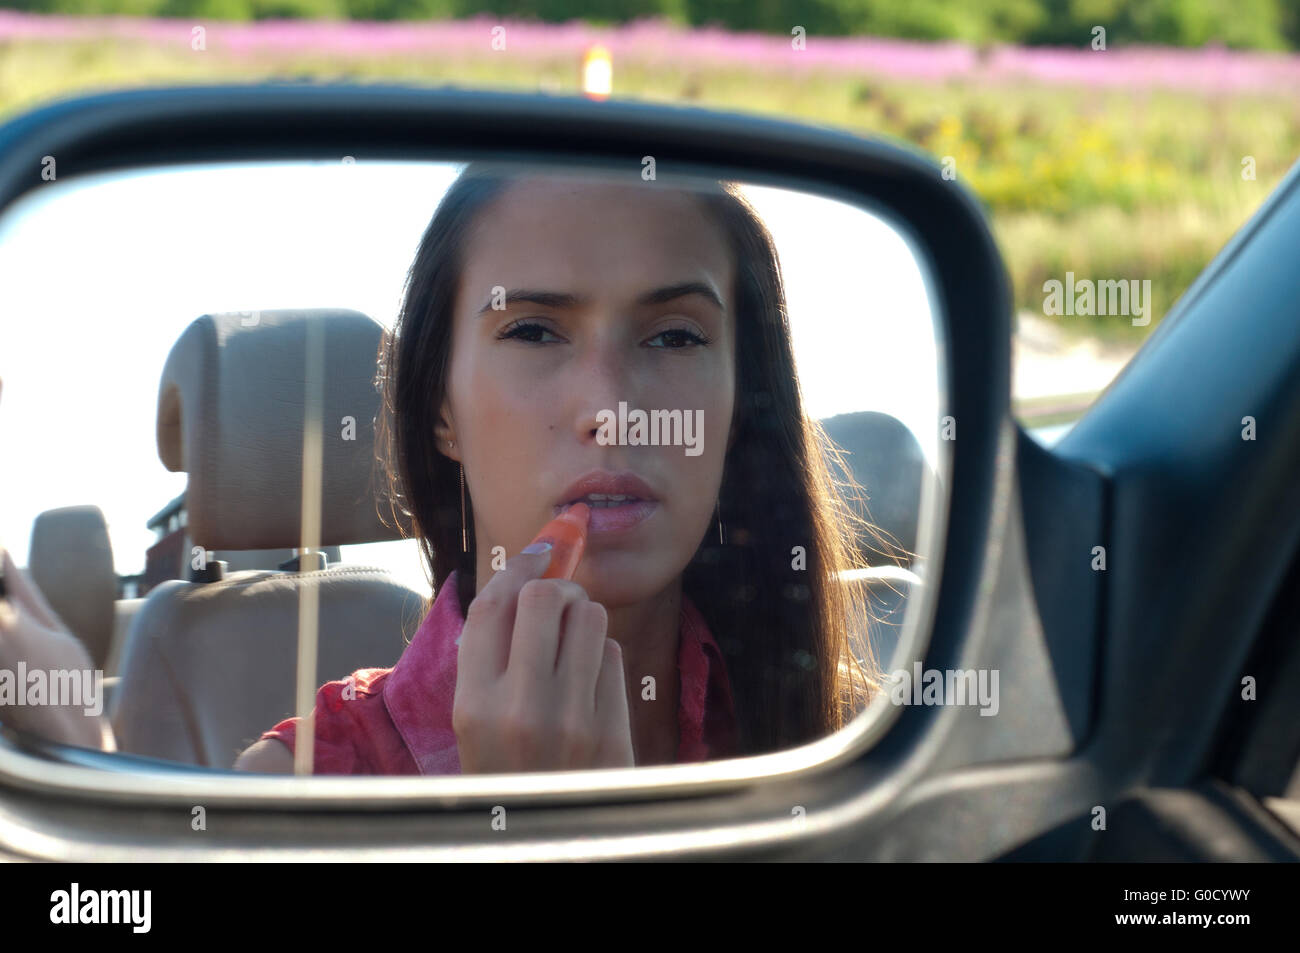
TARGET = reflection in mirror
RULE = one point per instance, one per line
(464, 468)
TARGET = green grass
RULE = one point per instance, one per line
(1107, 184)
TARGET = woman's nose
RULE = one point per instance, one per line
(600, 380)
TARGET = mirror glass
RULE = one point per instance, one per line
(277, 437)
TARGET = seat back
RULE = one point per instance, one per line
(882, 457)
(71, 562)
(887, 464)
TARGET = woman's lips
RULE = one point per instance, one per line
(614, 516)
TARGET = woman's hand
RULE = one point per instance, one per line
(539, 686)
(31, 633)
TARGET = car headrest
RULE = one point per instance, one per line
(231, 410)
(71, 562)
(887, 463)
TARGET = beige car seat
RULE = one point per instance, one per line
(209, 665)
(71, 562)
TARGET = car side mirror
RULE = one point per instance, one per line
(877, 249)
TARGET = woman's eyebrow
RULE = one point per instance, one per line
(547, 299)
(558, 299)
(669, 293)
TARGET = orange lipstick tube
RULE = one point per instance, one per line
(567, 534)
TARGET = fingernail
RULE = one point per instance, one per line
(536, 549)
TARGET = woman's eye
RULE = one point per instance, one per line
(676, 338)
(528, 331)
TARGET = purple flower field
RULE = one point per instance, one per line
(656, 42)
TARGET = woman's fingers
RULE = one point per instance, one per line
(582, 651)
(539, 685)
(490, 621)
(611, 710)
(539, 617)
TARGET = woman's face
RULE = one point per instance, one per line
(611, 302)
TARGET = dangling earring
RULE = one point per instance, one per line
(721, 539)
(464, 539)
(464, 543)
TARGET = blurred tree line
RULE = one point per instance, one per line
(1252, 24)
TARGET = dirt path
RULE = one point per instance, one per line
(1055, 373)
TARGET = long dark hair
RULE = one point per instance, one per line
(793, 635)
